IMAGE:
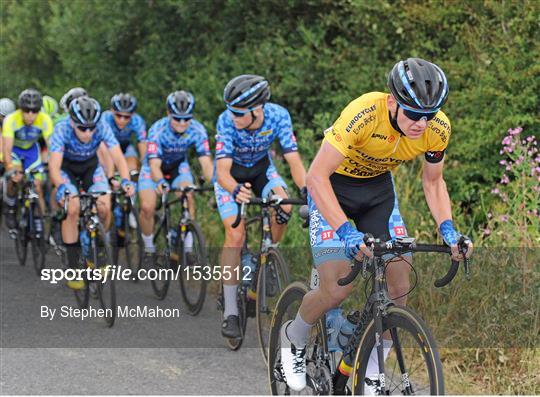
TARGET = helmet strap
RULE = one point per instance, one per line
(393, 119)
(253, 119)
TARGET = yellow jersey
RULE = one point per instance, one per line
(26, 135)
(371, 146)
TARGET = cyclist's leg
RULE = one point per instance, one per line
(147, 197)
(230, 259)
(12, 186)
(383, 220)
(332, 264)
(185, 178)
(100, 184)
(32, 160)
(70, 225)
(131, 158)
(274, 184)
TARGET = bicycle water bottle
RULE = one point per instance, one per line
(174, 237)
(118, 217)
(347, 328)
(85, 243)
(38, 225)
(334, 321)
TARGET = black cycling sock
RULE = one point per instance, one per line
(73, 255)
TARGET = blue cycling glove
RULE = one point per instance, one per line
(163, 182)
(60, 192)
(351, 238)
(126, 183)
(448, 233)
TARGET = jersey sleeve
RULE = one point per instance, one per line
(285, 134)
(202, 147)
(140, 129)
(56, 143)
(48, 126)
(107, 135)
(153, 149)
(8, 126)
(224, 139)
(439, 135)
(348, 129)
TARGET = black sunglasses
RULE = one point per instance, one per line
(178, 118)
(415, 116)
(123, 116)
(86, 128)
(26, 110)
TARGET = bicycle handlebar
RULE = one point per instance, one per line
(273, 201)
(406, 245)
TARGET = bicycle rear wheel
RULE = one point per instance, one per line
(102, 255)
(413, 366)
(272, 278)
(37, 241)
(319, 381)
(161, 264)
(193, 291)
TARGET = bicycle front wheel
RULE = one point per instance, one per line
(103, 259)
(21, 239)
(273, 277)
(193, 289)
(160, 265)
(412, 367)
(133, 244)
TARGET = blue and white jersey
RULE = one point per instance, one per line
(136, 127)
(64, 140)
(247, 147)
(170, 146)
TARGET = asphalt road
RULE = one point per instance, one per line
(183, 355)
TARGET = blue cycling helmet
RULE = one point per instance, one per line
(180, 104)
(125, 103)
(418, 85)
(85, 111)
(246, 91)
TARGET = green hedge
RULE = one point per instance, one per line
(318, 55)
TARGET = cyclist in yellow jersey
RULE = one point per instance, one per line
(350, 178)
(20, 134)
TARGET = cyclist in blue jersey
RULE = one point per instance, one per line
(127, 126)
(166, 161)
(245, 133)
(74, 162)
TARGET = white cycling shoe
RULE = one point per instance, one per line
(293, 361)
(132, 220)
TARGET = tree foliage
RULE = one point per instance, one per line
(318, 56)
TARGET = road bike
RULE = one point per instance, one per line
(269, 272)
(412, 365)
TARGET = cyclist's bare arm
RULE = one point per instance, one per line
(55, 163)
(207, 167)
(325, 163)
(224, 177)
(8, 146)
(155, 169)
(435, 191)
(298, 172)
(119, 161)
(142, 149)
(105, 159)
